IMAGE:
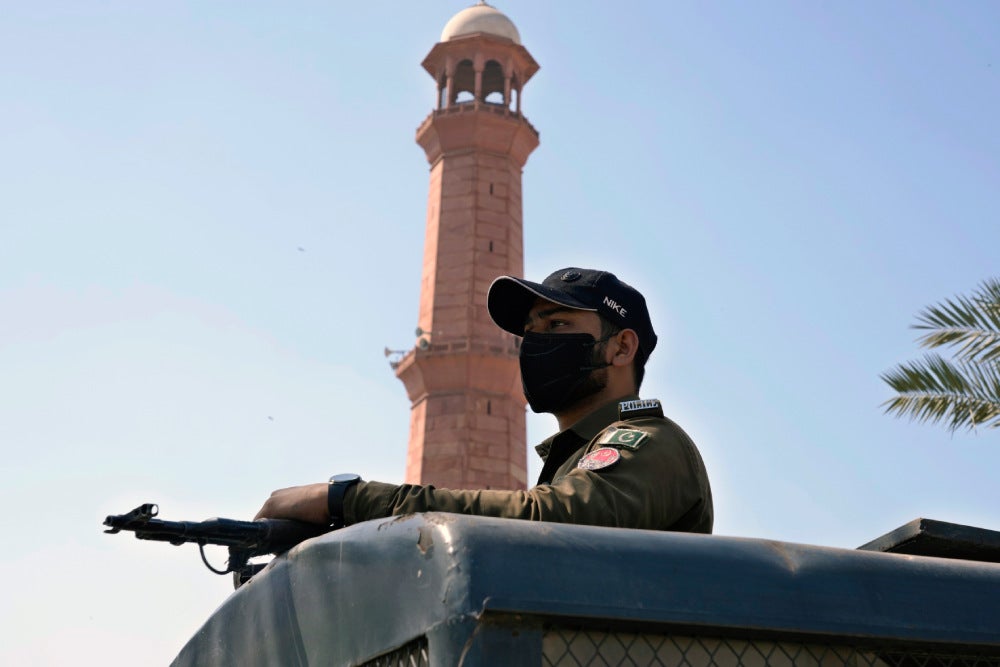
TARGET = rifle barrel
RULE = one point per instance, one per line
(255, 538)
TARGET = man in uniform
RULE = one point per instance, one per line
(616, 461)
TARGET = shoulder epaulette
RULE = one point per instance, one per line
(649, 407)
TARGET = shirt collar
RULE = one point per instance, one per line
(588, 426)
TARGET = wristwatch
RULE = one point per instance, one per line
(339, 484)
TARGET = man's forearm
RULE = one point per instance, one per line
(302, 503)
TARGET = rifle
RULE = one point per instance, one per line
(245, 539)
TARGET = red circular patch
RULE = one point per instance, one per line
(600, 458)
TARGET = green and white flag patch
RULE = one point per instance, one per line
(623, 437)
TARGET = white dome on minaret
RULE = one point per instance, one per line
(480, 18)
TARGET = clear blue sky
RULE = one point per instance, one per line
(788, 182)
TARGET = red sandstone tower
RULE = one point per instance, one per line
(467, 417)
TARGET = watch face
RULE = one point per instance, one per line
(344, 477)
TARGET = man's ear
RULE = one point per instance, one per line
(625, 345)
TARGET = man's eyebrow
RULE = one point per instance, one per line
(547, 312)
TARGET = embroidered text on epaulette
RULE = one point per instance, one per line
(649, 407)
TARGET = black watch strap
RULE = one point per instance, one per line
(339, 484)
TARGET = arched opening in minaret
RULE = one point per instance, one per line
(463, 83)
(493, 82)
(515, 92)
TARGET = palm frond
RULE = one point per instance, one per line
(963, 394)
(971, 324)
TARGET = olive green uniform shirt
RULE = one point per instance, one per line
(658, 481)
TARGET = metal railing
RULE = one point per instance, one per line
(413, 654)
(587, 648)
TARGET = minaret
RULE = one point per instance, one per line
(467, 425)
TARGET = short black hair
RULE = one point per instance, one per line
(608, 329)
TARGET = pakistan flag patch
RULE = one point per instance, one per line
(623, 437)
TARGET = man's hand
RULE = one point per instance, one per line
(304, 503)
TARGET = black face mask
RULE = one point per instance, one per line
(556, 369)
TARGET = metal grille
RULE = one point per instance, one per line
(413, 654)
(572, 648)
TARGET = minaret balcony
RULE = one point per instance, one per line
(479, 126)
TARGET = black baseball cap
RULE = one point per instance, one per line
(509, 300)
